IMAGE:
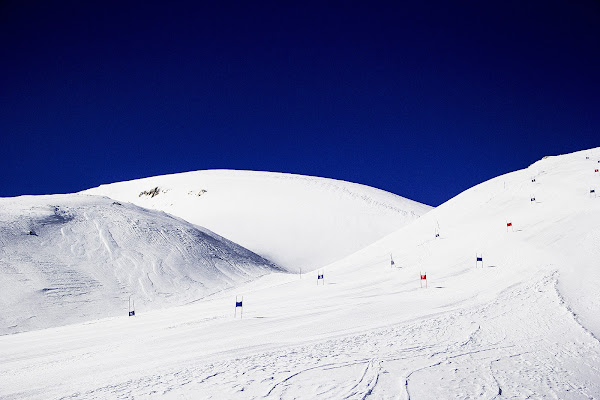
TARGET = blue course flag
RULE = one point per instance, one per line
(319, 276)
(238, 303)
(131, 313)
(479, 259)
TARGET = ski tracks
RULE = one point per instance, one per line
(523, 344)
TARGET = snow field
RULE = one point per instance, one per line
(503, 347)
(523, 326)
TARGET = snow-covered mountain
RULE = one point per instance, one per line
(299, 222)
(522, 323)
(72, 258)
(527, 224)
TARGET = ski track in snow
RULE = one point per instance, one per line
(510, 348)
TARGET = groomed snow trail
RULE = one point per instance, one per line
(525, 343)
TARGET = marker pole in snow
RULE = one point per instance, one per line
(532, 199)
(509, 225)
(320, 277)
(131, 307)
(239, 302)
(391, 261)
(478, 259)
(423, 278)
(592, 192)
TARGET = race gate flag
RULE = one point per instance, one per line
(320, 277)
(131, 307)
(423, 278)
(509, 226)
(478, 259)
(239, 301)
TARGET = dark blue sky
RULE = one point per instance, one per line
(422, 99)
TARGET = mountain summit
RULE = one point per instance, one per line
(299, 222)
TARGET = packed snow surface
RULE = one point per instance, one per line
(523, 323)
(73, 258)
(299, 222)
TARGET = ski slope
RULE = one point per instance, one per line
(523, 324)
(299, 222)
(74, 258)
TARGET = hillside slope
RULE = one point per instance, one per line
(553, 208)
(296, 221)
(521, 324)
(72, 258)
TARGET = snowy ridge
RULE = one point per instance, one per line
(299, 222)
(72, 258)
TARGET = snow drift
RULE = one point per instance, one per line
(299, 222)
(71, 258)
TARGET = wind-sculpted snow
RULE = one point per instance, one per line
(72, 258)
(521, 324)
(299, 222)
